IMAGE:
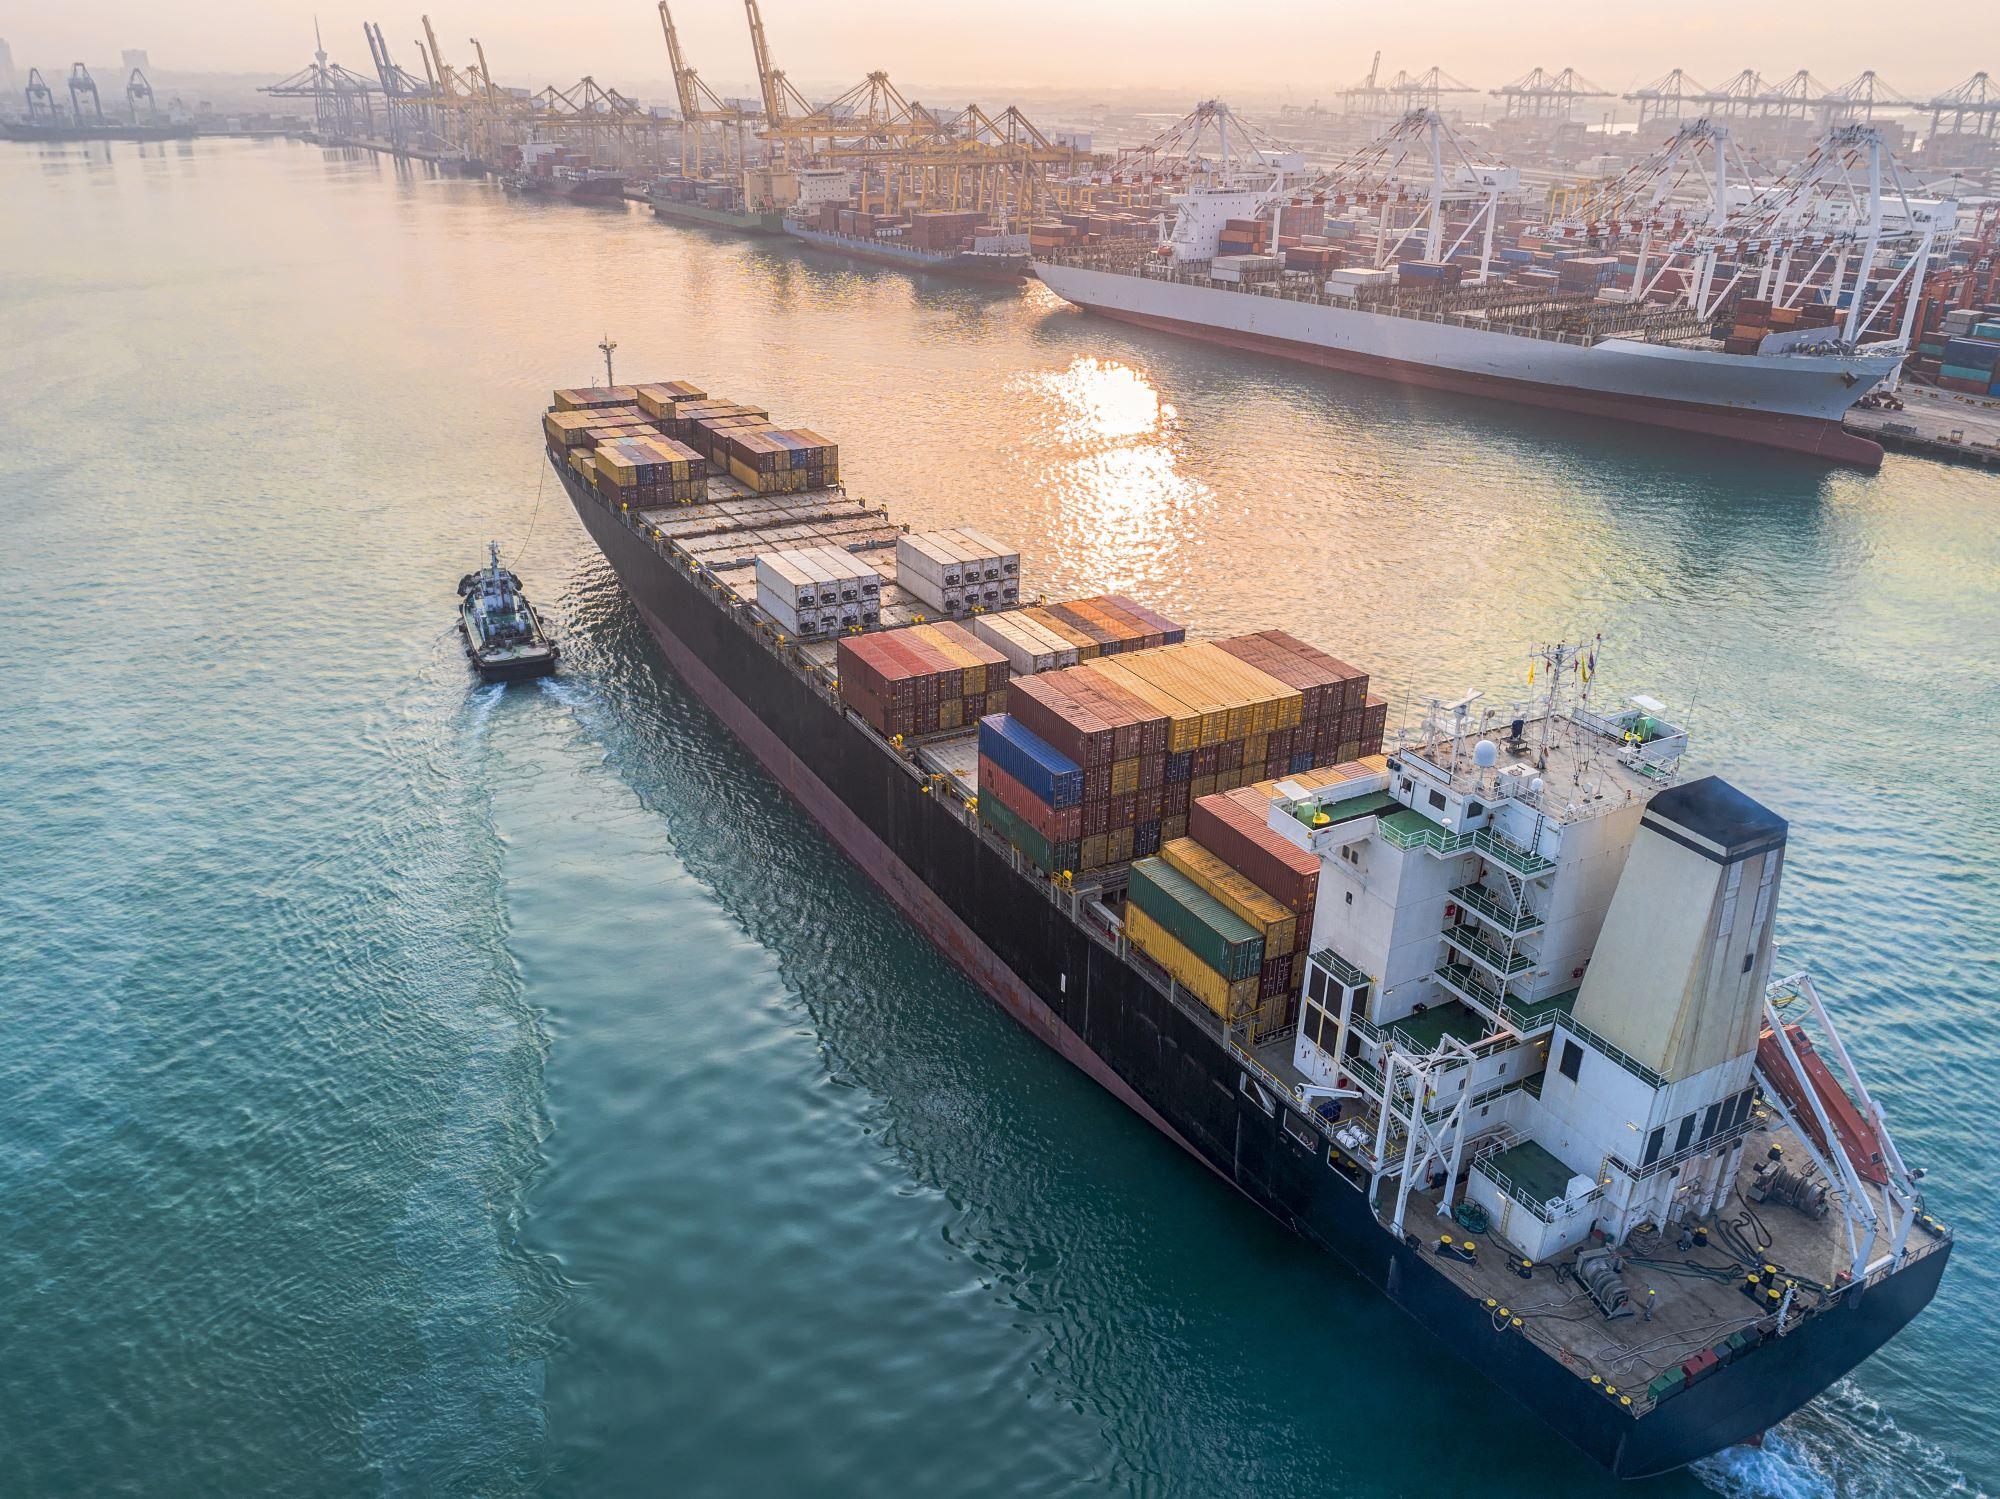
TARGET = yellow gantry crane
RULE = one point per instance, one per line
(872, 113)
(700, 107)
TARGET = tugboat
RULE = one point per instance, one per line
(503, 634)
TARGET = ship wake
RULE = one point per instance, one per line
(1842, 1446)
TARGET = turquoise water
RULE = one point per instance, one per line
(419, 1087)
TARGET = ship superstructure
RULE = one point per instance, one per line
(1489, 1013)
(1680, 296)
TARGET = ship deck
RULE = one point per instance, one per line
(1695, 1299)
(724, 534)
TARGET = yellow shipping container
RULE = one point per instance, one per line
(1124, 775)
(1086, 648)
(1230, 1001)
(1094, 851)
(1271, 1016)
(972, 669)
(1251, 904)
(1118, 846)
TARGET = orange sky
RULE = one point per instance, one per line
(1243, 48)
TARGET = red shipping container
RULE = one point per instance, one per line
(1231, 825)
(1058, 825)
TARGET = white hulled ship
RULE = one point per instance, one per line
(1832, 247)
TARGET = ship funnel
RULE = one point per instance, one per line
(1677, 978)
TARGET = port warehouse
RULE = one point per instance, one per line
(1067, 953)
(1089, 735)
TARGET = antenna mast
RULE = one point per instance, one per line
(607, 346)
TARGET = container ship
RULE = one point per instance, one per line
(557, 170)
(713, 205)
(954, 244)
(1761, 320)
(1488, 1013)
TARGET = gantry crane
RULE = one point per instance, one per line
(41, 98)
(701, 107)
(81, 83)
(871, 114)
(136, 88)
(1542, 95)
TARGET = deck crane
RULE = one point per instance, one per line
(700, 106)
(81, 83)
(136, 88)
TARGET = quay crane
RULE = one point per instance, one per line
(700, 107)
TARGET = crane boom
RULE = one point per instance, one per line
(767, 79)
(684, 85)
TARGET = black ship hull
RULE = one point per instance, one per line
(1078, 995)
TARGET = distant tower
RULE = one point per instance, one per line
(6, 65)
(135, 57)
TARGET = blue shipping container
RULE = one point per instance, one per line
(1300, 763)
(1972, 353)
(1042, 770)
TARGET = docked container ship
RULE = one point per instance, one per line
(1488, 1013)
(564, 173)
(944, 243)
(1649, 313)
(714, 205)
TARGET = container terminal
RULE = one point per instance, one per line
(1488, 1009)
(1666, 276)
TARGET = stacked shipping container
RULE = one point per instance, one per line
(1334, 698)
(1030, 793)
(958, 571)
(921, 679)
(816, 590)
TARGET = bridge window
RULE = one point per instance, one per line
(1572, 1060)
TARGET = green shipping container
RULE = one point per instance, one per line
(1049, 858)
(1197, 920)
(1664, 1385)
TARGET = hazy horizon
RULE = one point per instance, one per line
(1172, 47)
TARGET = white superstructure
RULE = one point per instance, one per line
(1540, 984)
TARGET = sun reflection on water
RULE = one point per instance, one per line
(1114, 469)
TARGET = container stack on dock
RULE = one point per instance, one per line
(921, 679)
(958, 571)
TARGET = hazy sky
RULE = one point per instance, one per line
(1247, 48)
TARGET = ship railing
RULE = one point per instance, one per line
(1631, 1064)
(1442, 841)
(1548, 1209)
